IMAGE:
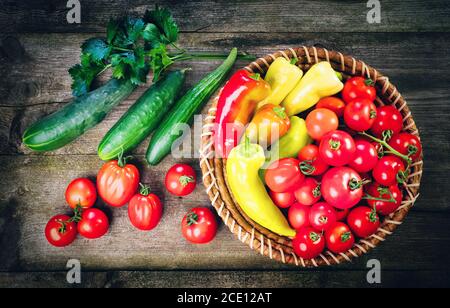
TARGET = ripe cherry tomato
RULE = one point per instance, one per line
(117, 182)
(388, 170)
(284, 175)
(81, 192)
(363, 221)
(386, 193)
(199, 226)
(359, 87)
(298, 216)
(366, 156)
(342, 187)
(388, 119)
(322, 216)
(93, 224)
(332, 103)
(60, 231)
(341, 215)
(283, 200)
(339, 238)
(337, 148)
(181, 180)
(320, 122)
(145, 210)
(360, 114)
(407, 144)
(308, 192)
(308, 244)
(310, 161)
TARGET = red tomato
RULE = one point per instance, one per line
(332, 103)
(359, 87)
(181, 180)
(388, 170)
(199, 226)
(339, 238)
(388, 119)
(387, 207)
(341, 215)
(117, 182)
(320, 122)
(308, 244)
(337, 148)
(93, 224)
(298, 216)
(308, 192)
(60, 231)
(145, 210)
(283, 200)
(310, 161)
(81, 192)
(284, 175)
(407, 144)
(366, 156)
(360, 114)
(342, 187)
(363, 221)
(322, 216)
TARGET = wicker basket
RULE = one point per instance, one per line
(266, 242)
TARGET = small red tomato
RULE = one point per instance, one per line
(342, 187)
(310, 161)
(181, 180)
(283, 200)
(284, 175)
(339, 238)
(93, 224)
(322, 216)
(407, 144)
(363, 221)
(341, 215)
(308, 244)
(389, 170)
(359, 87)
(308, 192)
(366, 156)
(298, 216)
(332, 103)
(360, 114)
(199, 226)
(145, 210)
(60, 231)
(320, 122)
(388, 119)
(391, 198)
(337, 148)
(81, 192)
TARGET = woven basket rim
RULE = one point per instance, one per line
(266, 242)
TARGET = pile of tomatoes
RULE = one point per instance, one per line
(118, 184)
(339, 187)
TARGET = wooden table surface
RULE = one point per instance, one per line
(37, 46)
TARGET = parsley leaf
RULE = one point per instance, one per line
(163, 19)
(152, 35)
(83, 74)
(98, 48)
(159, 61)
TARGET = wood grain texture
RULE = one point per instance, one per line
(234, 16)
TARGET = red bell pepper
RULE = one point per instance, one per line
(236, 105)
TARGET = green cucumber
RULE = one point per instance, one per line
(70, 122)
(143, 117)
(183, 111)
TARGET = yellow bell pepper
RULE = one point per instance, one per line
(319, 82)
(242, 168)
(282, 76)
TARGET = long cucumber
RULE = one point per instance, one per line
(143, 117)
(83, 113)
(183, 111)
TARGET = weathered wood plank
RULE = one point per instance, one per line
(228, 279)
(233, 16)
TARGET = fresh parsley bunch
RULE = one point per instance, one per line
(132, 47)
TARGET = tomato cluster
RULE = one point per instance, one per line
(338, 188)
